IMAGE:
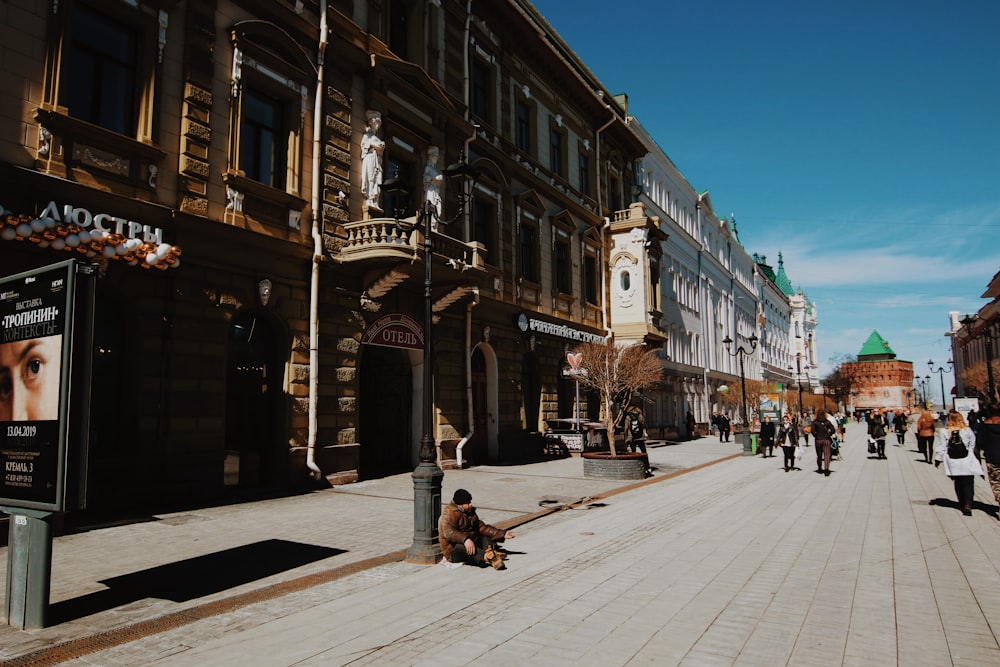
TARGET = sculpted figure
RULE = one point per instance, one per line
(372, 147)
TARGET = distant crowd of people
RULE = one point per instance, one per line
(963, 448)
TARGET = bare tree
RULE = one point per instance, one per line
(976, 378)
(617, 373)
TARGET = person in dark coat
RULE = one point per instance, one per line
(877, 431)
(988, 442)
(724, 427)
(766, 437)
(822, 432)
(788, 438)
(899, 426)
(465, 538)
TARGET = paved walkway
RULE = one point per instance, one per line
(737, 563)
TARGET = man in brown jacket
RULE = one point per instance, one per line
(465, 538)
(925, 435)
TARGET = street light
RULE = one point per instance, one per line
(798, 380)
(987, 333)
(427, 476)
(940, 371)
(741, 352)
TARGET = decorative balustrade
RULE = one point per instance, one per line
(382, 238)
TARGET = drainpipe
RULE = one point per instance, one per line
(705, 298)
(468, 374)
(317, 237)
(607, 220)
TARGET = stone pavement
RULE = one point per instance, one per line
(737, 563)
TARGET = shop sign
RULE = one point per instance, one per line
(395, 330)
(525, 324)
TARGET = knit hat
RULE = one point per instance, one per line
(462, 496)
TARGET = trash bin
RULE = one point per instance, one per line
(753, 443)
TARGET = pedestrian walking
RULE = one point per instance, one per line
(925, 435)
(954, 445)
(988, 443)
(766, 437)
(899, 426)
(788, 438)
(822, 432)
(877, 432)
(724, 427)
(635, 432)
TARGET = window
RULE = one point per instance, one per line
(522, 127)
(614, 193)
(480, 99)
(395, 200)
(483, 223)
(529, 250)
(399, 29)
(584, 167)
(103, 62)
(556, 151)
(263, 144)
(562, 267)
(590, 278)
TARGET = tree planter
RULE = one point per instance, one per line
(605, 465)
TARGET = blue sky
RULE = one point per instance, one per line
(861, 138)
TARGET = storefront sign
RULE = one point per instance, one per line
(35, 333)
(525, 324)
(395, 330)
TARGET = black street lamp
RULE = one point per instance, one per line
(941, 370)
(798, 380)
(741, 352)
(987, 333)
(427, 476)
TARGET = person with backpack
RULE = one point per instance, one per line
(877, 431)
(822, 430)
(955, 446)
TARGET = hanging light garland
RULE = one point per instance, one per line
(93, 243)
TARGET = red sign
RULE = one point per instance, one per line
(395, 330)
(574, 360)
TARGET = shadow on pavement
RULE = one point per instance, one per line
(194, 578)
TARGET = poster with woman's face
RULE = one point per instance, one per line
(34, 312)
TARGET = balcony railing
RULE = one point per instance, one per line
(381, 238)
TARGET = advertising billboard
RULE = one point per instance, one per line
(36, 316)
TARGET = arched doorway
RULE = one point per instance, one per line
(254, 454)
(386, 402)
(475, 451)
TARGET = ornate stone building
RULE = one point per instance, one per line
(256, 140)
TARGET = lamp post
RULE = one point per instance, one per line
(427, 476)
(940, 371)
(987, 333)
(741, 352)
(926, 384)
(798, 380)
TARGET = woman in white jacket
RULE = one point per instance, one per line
(962, 470)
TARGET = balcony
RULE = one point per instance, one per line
(379, 240)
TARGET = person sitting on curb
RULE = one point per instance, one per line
(465, 538)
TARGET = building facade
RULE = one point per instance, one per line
(975, 346)
(256, 143)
